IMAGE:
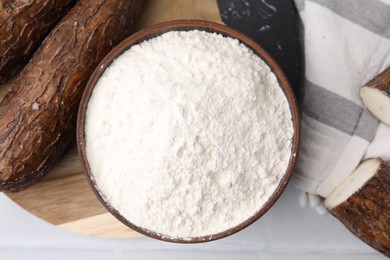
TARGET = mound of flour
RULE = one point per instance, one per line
(188, 134)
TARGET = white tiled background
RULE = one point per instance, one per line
(286, 232)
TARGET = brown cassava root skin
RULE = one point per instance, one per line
(23, 26)
(367, 212)
(381, 82)
(38, 114)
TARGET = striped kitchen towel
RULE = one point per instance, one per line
(346, 42)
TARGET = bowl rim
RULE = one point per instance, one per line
(187, 25)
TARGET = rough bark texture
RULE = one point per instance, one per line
(38, 115)
(367, 212)
(381, 82)
(23, 26)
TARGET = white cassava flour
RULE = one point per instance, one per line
(188, 134)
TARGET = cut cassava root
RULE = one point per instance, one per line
(376, 96)
(38, 114)
(23, 26)
(362, 204)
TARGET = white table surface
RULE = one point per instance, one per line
(285, 232)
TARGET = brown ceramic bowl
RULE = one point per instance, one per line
(186, 25)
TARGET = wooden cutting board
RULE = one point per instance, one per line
(63, 197)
